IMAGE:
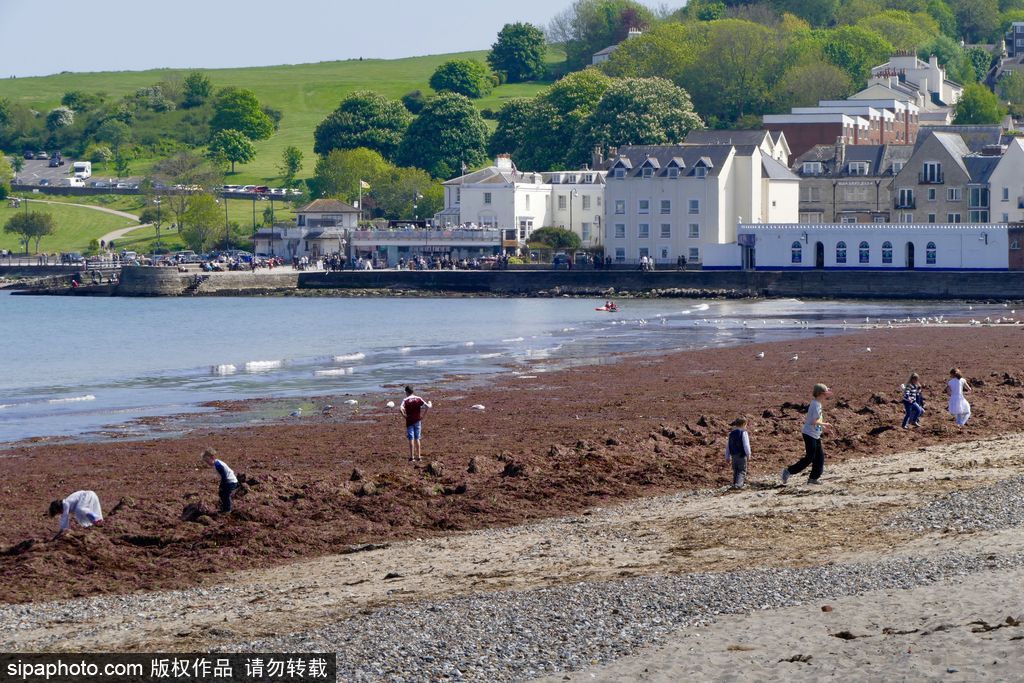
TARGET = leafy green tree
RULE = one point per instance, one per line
(591, 25)
(5, 112)
(814, 12)
(363, 119)
(449, 132)
(414, 101)
(81, 101)
(180, 171)
(463, 76)
(903, 30)
(231, 145)
(939, 11)
(666, 51)
(275, 115)
(804, 85)
(98, 154)
(978, 104)
(519, 52)
(338, 173)
(196, 89)
(17, 163)
(978, 19)
(115, 132)
(60, 117)
(407, 193)
(556, 238)
(1011, 87)
(855, 49)
(202, 225)
(238, 109)
(30, 225)
(510, 133)
(979, 62)
(638, 111)
(291, 163)
(121, 165)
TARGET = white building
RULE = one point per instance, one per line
(1006, 185)
(905, 71)
(320, 229)
(455, 243)
(501, 196)
(870, 246)
(664, 202)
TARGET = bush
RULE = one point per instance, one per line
(463, 76)
(414, 101)
(4, 190)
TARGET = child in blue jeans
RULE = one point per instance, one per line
(228, 480)
(737, 450)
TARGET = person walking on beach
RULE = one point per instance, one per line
(737, 451)
(228, 480)
(413, 408)
(814, 425)
(958, 405)
(912, 402)
(84, 505)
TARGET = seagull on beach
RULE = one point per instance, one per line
(351, 402)
(795, 357)
(478, 406)
(326, 410)
(761, 355)
(296, 413)
(868, 349)
(389, 404)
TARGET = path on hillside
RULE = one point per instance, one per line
(113, 234)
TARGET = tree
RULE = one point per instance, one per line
(943, 16)
(60, 117)
(407, 193)
(291, 163)
(338, 174)
(233, 146)
(5, 112)
(178, 173)
(115, 132)
(81, 101)
(638, 111)
(196, 90)
(979, 62)
(978, 104)
(559, 239)
(1011, 87)
(903, 30)
(98, 154)
(449, 132)
(30, 225)
(238, 109)
(815, 12)
(519, 52)
(512, 121)
(363, 119)
(804, 85)
(463, 76)
(978, 19)
(121, 165)
(666, 51)
(414, 101)
(855, 49)
(202, 225)
(591, 25)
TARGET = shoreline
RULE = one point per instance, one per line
(629, 430)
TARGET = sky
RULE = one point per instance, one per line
(40, 37)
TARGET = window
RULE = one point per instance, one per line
(929, 254)
(572, 179)
(620, 231)
(931, 218)
(812, 168)
(810, 194)
(673, 172)
(644, 206)
(879, 218)
(954, 194)
(458, 195)
(694, 255)
(666, 230)
(796, 252)
(897, 166)
(953, 218)
(811, 217)
(666, 207)
(700, 172)
(847, 219)
(525, 228)
(619, 174)
(978, 198)
(694, 231)
(643, 231)
(620, 206)
(620, 255)
(487, 197)
(906, 218)
(977, 216)
(586, 232)
(864, 252)
(886, 252)
(561, 202)
(599, 200)
(1006, 194)
(647, 172)
(1006, 218)
(1014, 245)
(931, 172)
(302, 220)
(859, 167)
(664, 252)
(527, 202)
(855, 193)
(694, 206)
(585, 200)
(643, 251)
(588, 177)
(905, 199)
(931, 194)
(841, 252)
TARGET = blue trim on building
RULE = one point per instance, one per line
(900, 269)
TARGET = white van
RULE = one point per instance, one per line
(72, 182)
(82, 169)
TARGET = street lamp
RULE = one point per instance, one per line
(157, 202)
(226, 228)
(572, 193)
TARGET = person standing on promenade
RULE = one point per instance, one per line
(814, 425)
(737, 451)
(84, 505)
(413, 408)
(956, 387)
(228, 480)
(912, 402)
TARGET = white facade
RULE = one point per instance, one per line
(320, 229)
(1006, 185)
(577, 203)
(664, 202)
(927, 77)
(865, 246)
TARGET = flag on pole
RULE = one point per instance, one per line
(464, 167)
(363, 185)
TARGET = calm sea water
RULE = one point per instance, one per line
(76, 366)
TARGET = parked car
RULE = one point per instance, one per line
(29, 154)
(44, 181)
(261, 189)
(230, 188)
(42, 155)
(278, 190)
(100, 183)
(294, 191)
(72, 258)
(247, 188)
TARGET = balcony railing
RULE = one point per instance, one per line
(483, 235)
(931, 178)
(907, 203)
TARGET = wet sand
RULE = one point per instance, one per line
(560, 443)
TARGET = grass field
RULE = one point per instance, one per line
(75, 226)
(305, 93)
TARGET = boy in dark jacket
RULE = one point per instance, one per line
(737, 450)
(228, 480)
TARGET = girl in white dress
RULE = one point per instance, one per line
(958, 405)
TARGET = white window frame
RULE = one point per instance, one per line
(643, 206)
(693, 231)
(954, 194)
(643, 231)
(665, 207)
(693, 207)
(694, 255)
(620, 231)
(487, 198)
(811, 168)
(665, 231)
(620, 207)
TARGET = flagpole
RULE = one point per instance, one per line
(360, 202)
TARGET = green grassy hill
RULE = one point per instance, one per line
(305, 93)
(75, 226)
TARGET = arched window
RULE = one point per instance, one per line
(929, 253)
(841, 252)
(886, 252)
(865, 253)
(796, 253)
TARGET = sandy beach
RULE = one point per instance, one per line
(596, 518)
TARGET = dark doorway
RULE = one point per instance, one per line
(819, 255)
(910, 255)
(749, 262)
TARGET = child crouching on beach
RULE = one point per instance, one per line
(228, 480)
(737, 451)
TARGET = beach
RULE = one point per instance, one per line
(592, 485)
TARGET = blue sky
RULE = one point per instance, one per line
(41, 37)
